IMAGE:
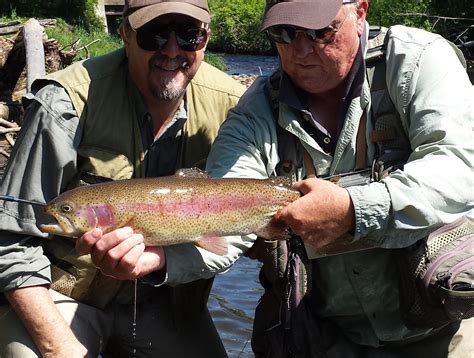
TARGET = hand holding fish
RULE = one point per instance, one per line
(322, 215)
(121, 253)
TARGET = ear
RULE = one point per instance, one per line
(208, 38)
(123, 33)
(362, 6)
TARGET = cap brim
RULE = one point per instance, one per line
(310, 15)
(148, 13)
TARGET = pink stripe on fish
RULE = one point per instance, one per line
(195, 205)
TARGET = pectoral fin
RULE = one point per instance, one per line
(214, 244)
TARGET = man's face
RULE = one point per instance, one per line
(163, 73)
(318, 68)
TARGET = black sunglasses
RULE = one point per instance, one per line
(286, 34)
(189, 37)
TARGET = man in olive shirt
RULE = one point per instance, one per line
(145, 110)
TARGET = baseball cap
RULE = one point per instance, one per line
(140, 12)
(310, 14)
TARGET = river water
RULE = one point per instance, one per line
(235, 293)
(250, 65)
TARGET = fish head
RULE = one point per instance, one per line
(72, 218)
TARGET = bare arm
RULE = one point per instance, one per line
(48, 329)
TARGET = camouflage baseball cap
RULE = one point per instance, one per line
(310, 14)
(140, 12)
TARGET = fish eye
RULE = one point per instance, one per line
(66, 208)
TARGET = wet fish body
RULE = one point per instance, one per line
(175, 209)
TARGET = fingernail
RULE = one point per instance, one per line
(96, 233)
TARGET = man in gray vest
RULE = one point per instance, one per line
(315, 118)
(144, 110)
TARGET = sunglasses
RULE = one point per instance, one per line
(286, 34)
(189, 37)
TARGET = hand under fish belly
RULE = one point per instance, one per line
(184, 208)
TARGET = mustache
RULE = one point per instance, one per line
(165, 61)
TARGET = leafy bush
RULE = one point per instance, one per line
(387, 13)
(77, 12)
(236, 26)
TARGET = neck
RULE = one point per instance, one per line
(326, 107)
(162, 112)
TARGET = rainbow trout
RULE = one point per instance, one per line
(188, 207)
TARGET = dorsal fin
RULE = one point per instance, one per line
(191, 173)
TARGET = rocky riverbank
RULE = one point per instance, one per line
(246, 80)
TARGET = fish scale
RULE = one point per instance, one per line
(175, 209)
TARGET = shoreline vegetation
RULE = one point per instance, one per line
(235, 23)
(78, 33)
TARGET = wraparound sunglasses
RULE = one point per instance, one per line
(189, 37)
(286, 34)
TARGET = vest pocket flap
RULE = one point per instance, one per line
(104, 163)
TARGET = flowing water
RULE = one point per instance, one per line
(250, 65)
(236, 293)
(232, 303)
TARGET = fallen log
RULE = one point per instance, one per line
(33, 39)
(9, 23)
(10, 29)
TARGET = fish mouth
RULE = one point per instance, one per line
(62, 227)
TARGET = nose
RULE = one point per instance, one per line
(303, 45)
(171, 48)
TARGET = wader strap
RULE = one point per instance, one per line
(308, 165)
(361, 148)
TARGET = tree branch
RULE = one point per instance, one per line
(435, 16)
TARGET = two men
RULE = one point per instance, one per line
(145, 110)
(324, 114)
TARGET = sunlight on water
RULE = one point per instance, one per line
(232, 304)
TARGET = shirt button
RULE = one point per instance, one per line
(327, 140)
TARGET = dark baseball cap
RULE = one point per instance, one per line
(140, 12)
(310, 14)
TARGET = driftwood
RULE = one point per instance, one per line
(33, 39)
(9, 23)
(24, 56)
(13, 68)
(12, 27)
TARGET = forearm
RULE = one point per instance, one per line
(48, 329)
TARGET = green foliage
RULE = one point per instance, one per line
(88, 43)
(387, 13)
(459, 29)
(77, 12)
(236, 23)
(236, 26)
(216, 61)
(451, 18)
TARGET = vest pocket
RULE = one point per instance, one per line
(97, 165)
